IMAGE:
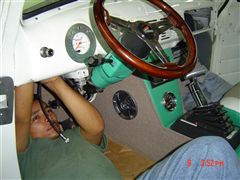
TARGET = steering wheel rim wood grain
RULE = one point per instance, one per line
(168, 70)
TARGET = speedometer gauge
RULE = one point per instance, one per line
(80, 42)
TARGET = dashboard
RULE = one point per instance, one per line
(63, 39)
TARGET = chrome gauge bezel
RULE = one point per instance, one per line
(76, 29)
(169, 101)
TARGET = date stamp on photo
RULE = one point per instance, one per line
(207, 163)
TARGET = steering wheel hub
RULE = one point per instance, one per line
(145, 30)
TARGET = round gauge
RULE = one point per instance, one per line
(169, 101)
(80, 42)
(124, 105)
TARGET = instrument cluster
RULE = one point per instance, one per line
(80, 42)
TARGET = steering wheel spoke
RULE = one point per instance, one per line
(158, 50)
(161, 26)
(120, 24)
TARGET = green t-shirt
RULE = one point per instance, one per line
(53, 159)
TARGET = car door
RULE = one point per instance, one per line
(10, 13)
(226, 49)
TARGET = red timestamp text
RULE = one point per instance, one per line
(207, 163)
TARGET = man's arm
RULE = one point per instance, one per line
(23, 110)
(86, 115)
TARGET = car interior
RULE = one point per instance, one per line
(161, 73)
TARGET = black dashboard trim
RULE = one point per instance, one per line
(222, 7)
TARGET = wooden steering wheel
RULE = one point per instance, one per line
(149, 32)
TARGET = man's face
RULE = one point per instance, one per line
(40, 127)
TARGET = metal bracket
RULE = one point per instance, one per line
(6, 100)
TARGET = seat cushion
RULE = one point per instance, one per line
(234, 92)
(231, 99)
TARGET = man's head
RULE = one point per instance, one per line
(40, 127)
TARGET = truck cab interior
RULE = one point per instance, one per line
(137, 61)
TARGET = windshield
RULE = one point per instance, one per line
(34, 7)
(31, 5)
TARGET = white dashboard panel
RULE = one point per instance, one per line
(49, 29)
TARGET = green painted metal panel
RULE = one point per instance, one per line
(234, 115)
(237, 150)
(111, 71)
(235, 118)
(156, 94)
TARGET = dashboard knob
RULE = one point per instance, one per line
(46, 52)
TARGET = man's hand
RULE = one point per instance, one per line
(51, 82)
(89, 119)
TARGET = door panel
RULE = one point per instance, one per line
(226, 55)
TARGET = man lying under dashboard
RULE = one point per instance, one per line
(43, 155)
